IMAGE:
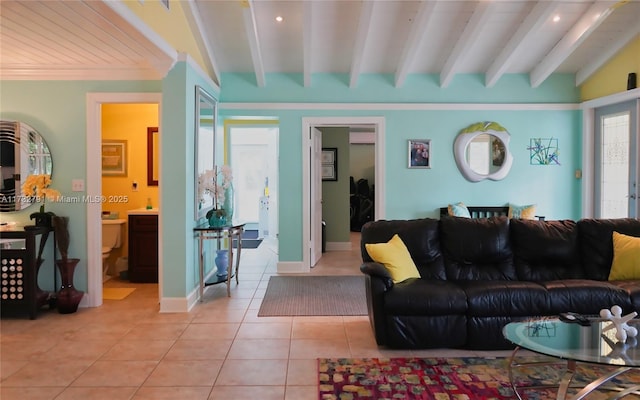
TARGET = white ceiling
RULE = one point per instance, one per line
(71, 39)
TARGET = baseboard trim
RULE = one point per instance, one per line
(291, 267)
(174, 304)
(339, 246)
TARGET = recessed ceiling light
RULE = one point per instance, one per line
(556, 18)
(279, 18)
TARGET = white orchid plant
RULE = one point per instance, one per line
(215, 182)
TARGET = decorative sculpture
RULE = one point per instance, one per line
(623, 330)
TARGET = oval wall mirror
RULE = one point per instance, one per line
(23, 152)
(482, 152)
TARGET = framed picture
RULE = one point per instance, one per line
(329, 164)
(419, 153)
(114, 157)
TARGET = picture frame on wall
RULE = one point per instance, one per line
(114, 158)
(419, 153)
(329, 160)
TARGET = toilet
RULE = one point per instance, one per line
(111, 239)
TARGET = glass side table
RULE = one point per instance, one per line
(228, 232)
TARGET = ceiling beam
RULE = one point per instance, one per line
(587, 24)
(606, 54)
(192, 12)
(419, 26)
(360, 46)
(249, 17)
(467, 40)
(529, 28)
(307, 41)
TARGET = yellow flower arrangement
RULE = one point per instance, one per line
(37, 187)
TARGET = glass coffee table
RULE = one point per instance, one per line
(575, 343)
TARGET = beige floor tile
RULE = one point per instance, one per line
(247, 393)
(97, 393)
(301, 392)
(26, 349)
(138, 350)
(252, 373)
(101, 331)
(172, 393)
(318, 330)
(302, 372)
(9, 367)
(156, 331)
(210, 331)
(215, 349)
(205, 314)
(82, 349)
(315, 348)
(116, 373)
(185, 373)
(252, 317)
(275, 330)
(259, 349)
(30, 393)
(48, 373)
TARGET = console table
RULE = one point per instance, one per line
(229, 233)
(19, 290)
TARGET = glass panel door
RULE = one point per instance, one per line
(616, 160)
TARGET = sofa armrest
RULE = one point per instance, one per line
(377, 270)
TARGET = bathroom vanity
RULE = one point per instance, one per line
(143, 246)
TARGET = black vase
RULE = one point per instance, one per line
(43, 218)
(68, 296)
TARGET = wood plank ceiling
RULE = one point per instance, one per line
(73, 39)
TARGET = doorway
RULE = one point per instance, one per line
(616, 160)
(93, 297)
(253, 157)
(310, 226)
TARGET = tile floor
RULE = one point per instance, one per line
(126, 349)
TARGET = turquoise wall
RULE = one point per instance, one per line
(417, 193)
(177, 184)
(57, 109)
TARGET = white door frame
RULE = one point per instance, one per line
(588, 146)
(307, 123)
(93, 297)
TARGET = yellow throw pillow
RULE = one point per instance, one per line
(395, 257)
(626, 257)
(522, 212)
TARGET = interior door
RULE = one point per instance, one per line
(316, 196)
(616, 160)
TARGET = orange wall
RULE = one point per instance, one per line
(128, 122)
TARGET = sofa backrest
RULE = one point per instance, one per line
(546, 250)
(477, 249)
(421, 236)
(596, 243)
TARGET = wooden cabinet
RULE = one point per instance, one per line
(143, 248)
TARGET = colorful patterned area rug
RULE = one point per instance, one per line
(449, 378)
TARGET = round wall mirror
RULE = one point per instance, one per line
(482, 152)
(23, 152)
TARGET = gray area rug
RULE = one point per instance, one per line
(314, 295)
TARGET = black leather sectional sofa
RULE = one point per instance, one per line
(479, 274)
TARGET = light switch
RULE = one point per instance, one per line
(77, 185)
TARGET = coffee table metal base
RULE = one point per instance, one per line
(565, 382)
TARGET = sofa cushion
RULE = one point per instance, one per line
(477, 248)
(596, 243)
(545, 250)
(633, 289)
(504, 298)
(626, 257)
(425, 297)
(421, 236)
(395, 257)
(585, 296)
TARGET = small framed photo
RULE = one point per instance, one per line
(419, 153)
(114, 158)
(329, 160)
